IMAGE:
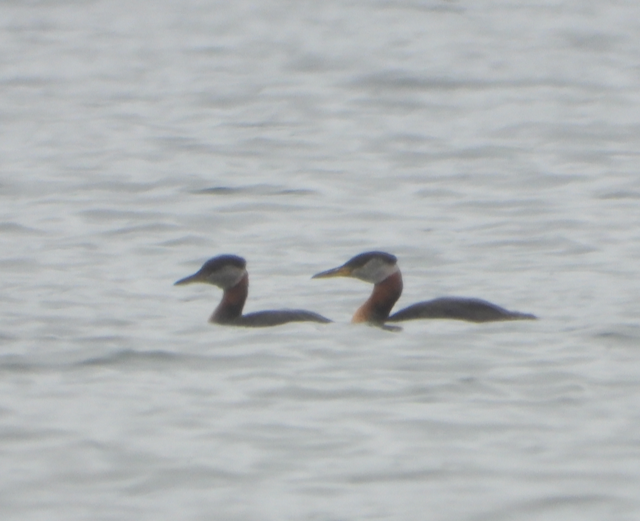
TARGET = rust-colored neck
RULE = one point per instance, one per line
(233, 299)
(378, 306)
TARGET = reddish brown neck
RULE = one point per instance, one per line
(378, 306)
(233, 299)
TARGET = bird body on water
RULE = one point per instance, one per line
(382, 270)
(229, 272)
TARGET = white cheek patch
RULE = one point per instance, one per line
(227, 277)
(376, 270)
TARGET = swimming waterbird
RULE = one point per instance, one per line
(381, 269)
(229, 272)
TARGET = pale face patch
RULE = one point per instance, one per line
(227, 276)
(375, 271)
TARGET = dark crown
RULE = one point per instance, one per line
(360, 260)
(219, 262)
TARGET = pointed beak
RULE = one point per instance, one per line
(196, 277)
(340, 271)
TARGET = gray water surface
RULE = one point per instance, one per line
(491, 145)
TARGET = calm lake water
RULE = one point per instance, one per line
(493, 146)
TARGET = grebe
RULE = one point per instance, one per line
(229, 273)
(382, 270)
